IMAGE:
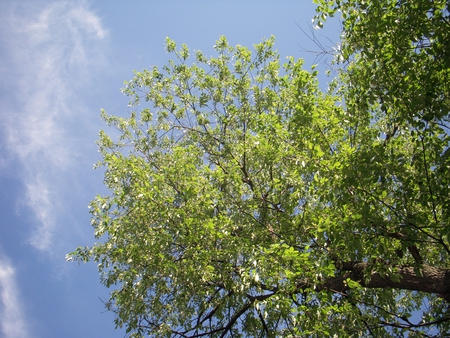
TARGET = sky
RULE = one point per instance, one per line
(60, 63)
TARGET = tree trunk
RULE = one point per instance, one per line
(431, 280)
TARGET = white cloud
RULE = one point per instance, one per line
(39, 200)
(12, 318)
(52, 50)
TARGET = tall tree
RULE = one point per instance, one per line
(245, 202)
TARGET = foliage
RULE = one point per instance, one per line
(245, 202)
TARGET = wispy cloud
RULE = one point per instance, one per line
(12, 317)
(52, 49)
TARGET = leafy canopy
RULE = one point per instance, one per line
(246, 202)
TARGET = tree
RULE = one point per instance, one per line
(246, 202)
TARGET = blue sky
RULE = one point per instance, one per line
(60, 63)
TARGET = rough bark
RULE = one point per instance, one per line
(431, 279)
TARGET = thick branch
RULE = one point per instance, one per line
(432, 279)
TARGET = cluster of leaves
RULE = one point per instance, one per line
(245, 202)
(398, 77)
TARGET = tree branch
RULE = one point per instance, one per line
(430, 280)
